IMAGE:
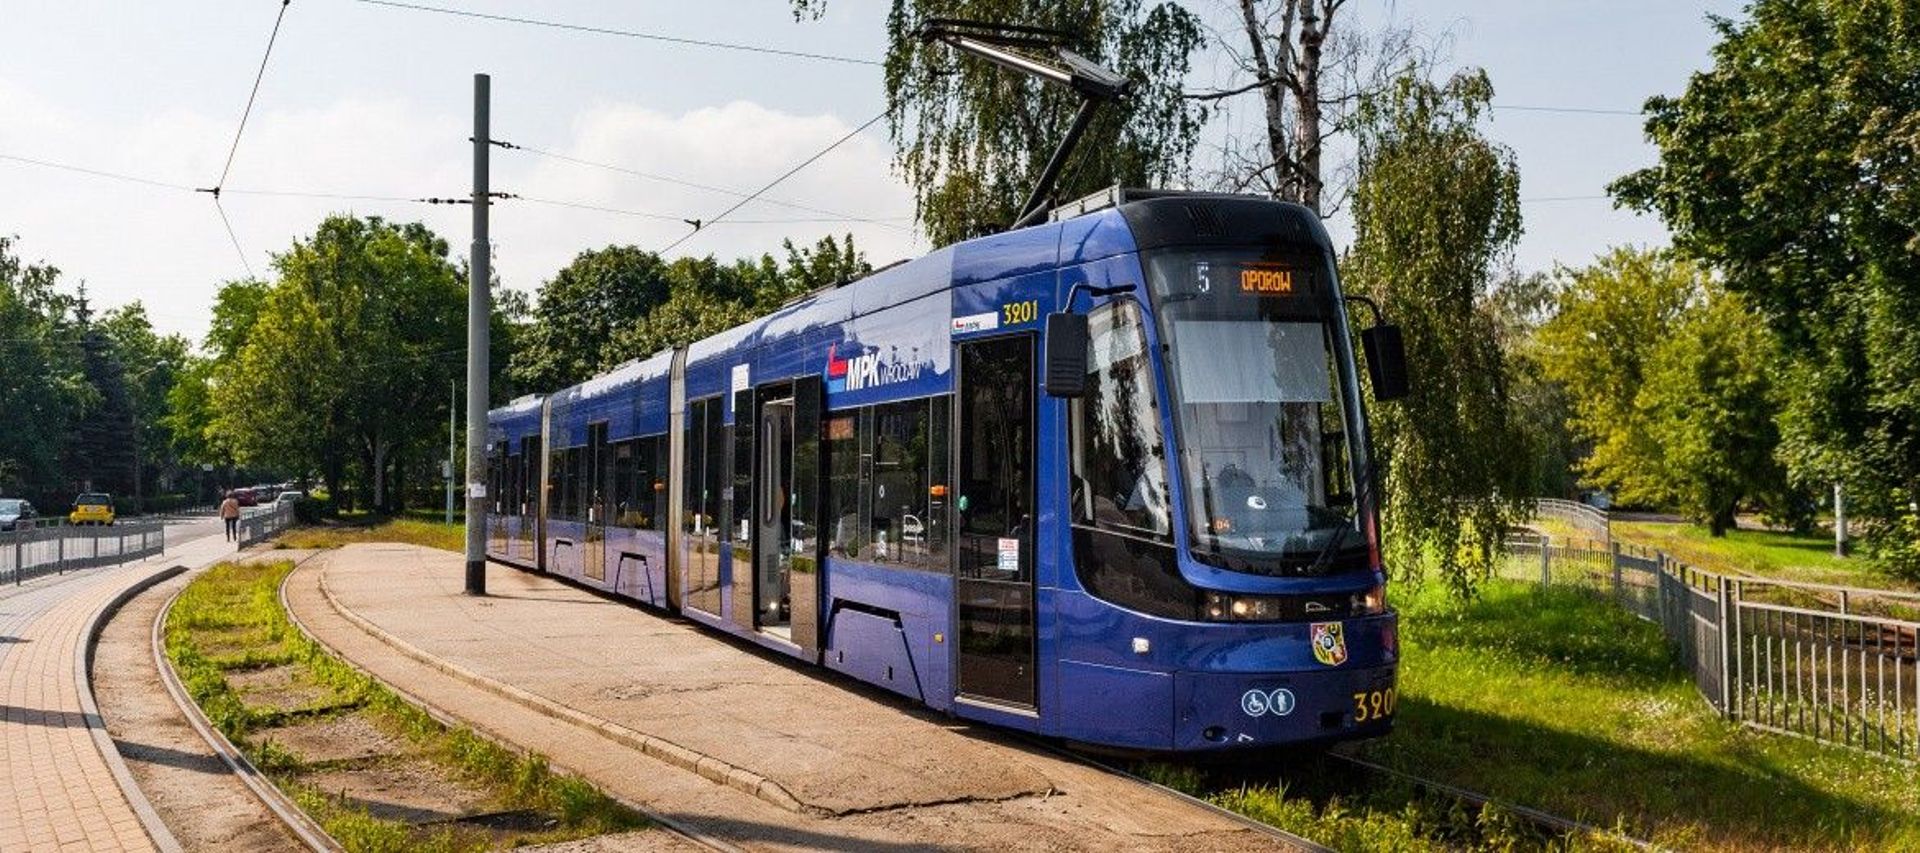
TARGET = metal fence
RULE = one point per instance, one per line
(1592, 521)
(256, 527)
(54, 549)
(1835, 664)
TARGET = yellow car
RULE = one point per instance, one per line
(92, 508)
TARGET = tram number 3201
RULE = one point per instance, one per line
(1016, 313)
(1373, 705)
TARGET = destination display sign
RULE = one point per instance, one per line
(1266, 279)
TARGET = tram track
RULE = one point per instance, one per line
(1546, 821)
(1269, 830)
(285, 811)
(290, 816)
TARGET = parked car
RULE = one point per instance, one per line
(287, 497)
(92, 508)
(16, 514)
(246, 497)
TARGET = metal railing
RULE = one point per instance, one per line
(1590, 520)
(258, 526)
(1831, 663)
(55, 549)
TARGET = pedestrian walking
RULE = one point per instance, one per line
(230, 513)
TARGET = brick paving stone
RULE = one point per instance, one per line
(62, 793)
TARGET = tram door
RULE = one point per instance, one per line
(993, 563)
(773, 510)
(526, 492)
(594, 495)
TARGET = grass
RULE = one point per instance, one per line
(230, 620)
(411, 529)
(1558, 700)
(1766, 553)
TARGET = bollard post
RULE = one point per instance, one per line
(1546, 574)
(60, 555)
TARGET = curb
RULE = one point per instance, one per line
(150, 821)
(450, 720)
(711, 768)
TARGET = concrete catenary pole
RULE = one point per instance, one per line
(479, 306)
(453, 452)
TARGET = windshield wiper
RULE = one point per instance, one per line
(1360, 505)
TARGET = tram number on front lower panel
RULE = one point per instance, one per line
(1373, 705)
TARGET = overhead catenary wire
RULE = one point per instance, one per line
(837, 216)
(253, 93)
(609, 31)
(222, 210)
(1530, 108)
(98, 173)
(698, 224)
(239, 131)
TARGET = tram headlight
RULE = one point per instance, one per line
(1227, 607)
(1373, 602)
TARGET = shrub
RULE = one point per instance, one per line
(311, 510)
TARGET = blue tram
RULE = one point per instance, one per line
(1150, 528)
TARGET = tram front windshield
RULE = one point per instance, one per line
(1256, 379)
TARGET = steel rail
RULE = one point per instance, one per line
(1262, 827)
(304, 829)
(1562, 824)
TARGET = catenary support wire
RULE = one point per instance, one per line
(699, 223)
(609, 31)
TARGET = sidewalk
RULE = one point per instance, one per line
(60, 792)
(647, 706)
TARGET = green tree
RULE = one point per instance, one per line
(153, 363)
(1436, 214)
(1610, 318)
(1541, 407)
(580, 309)
(1792, 167)
(971, 137)
(100, 454)
(1709, 406)
(1670, 378)
(349, 358)
(41, 387)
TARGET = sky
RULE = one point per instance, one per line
(372, 100)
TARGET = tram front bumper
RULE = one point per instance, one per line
(1239, 710)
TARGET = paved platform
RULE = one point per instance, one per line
(61, 792)
(737, 743)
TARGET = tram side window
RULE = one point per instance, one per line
(901, 451)
(556, 484)
(649, 483)
(1119, 459)
(844, 530)
(570, 483)
(623, 510)
(694, 485)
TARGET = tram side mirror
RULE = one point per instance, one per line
(1386, 361)
(1067, 343)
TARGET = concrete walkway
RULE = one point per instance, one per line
(61, 792)
(733, 742)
